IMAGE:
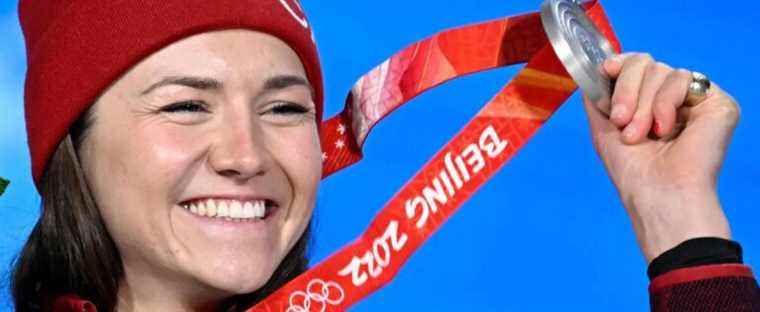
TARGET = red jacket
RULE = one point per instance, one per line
(720, 287)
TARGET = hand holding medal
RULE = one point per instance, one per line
(666, 136)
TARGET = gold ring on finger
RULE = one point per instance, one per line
(698, 89)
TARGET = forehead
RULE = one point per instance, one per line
(224, 54)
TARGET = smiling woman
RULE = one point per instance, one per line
(211, 178)
(191, 173)
(176, 148)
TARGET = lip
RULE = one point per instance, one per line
(270, 202)
(272, 206)
(222, 227)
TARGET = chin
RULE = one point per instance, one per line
(239, 275)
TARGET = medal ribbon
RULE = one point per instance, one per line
(470, 159)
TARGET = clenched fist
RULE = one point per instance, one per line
(664, 157)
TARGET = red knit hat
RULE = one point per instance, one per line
(76, 49)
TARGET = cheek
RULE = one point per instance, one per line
(135, 176)
(168, 158)
(145, 161)
(298, 154)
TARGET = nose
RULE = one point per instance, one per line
(239, 150)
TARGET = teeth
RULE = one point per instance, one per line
(222, 210)
(259, 209)
(230, 210)
(210, 209)
(248, 210)
(211, 205)
(201, 209)
(236, 210)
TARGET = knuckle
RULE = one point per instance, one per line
(622, 97)
(645, 57)
(638, 59)
(728, 111)
(652, 68)
(663, 67)
(682, 73)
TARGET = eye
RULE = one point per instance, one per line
(289, 108)
(288, 113)
(185, 107)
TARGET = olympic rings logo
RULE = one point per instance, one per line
(318, 295)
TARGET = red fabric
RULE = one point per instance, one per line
(76, 49)
(72, 303)
(691, 274)
(720, 287)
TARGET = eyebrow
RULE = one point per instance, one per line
(286, 81)
(202, 83)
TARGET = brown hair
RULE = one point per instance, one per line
(69, 250)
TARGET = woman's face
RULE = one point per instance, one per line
(189, 149)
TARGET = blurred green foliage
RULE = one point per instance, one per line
(3, 184)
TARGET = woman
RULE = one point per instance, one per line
(164, 117)
(176, 149)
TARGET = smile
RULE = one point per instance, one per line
(230, 209)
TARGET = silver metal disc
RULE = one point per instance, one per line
(580, 47)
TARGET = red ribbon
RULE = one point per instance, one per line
(470, 159)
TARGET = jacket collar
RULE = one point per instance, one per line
(72, 303)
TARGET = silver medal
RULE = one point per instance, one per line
(580, 47)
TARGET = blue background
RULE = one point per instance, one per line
(546, 233)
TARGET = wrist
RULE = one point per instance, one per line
(696, 252)
(665, 217)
